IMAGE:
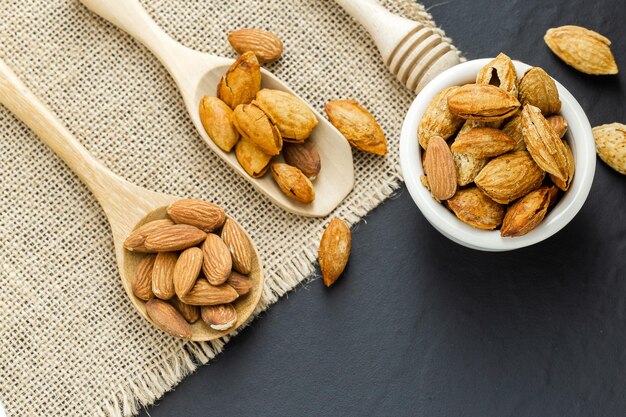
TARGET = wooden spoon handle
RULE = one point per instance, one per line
(22, 102)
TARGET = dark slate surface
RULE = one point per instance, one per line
(419, 326)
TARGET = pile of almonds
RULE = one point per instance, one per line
(494, 151)
(195, 266)
(262, 124)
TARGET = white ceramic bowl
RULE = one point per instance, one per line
(579, 137)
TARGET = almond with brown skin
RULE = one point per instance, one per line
(304, 157)
(558, 124)
(163, 275)
(204, 215)
(440, 169)
(509, 177)
(500, 72)
(266, 46)
(241, 283)
(216, 260)
(187, 270)
(142, 278)
(334, 250)
(204, 294)
(174, 238)
(482, 102)
(256, 126)
(135, 241)
(438, 120)
(293, 117)
(483, 142)
(538, 89)
(583, 49)
(241, 82)
(544, 145)
(293, 183)
(219, 317)
(526, 213)
(473, 207)
(168, 319)
(238, 245)
(217, 119)
(190, 313)
(358, 126)
(251, 158)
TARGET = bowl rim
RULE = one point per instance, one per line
(580, 139)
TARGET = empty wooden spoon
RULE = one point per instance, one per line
(197, 74)
(414, 53)
(126, 205)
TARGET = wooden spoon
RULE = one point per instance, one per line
(414, 53)
(197, 74)
(126, 205)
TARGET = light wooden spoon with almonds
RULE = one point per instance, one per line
(197, 74)
(126, 205)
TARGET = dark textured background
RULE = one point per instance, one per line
(419, 326)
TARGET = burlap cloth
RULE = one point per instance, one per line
(71, 343)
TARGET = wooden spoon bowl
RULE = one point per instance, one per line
(200, 331)
(126, 205)
(197, 74)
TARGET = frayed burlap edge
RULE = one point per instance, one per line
(145, 389)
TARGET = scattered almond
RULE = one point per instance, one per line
(266, 46)
(440, 169)
(219, 317)
(611, 145)
(168, 319)
(201, 214)
(357, 125)
(583, 49)
(334, 250)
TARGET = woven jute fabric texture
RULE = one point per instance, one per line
(71, 343)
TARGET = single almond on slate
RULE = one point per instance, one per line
(303, 156)
(467, 167)
(190, 313)
(564, 184)
(438, 120)
(204, 294)
(440, 169)
(135, 241)
(611, 145)
(510, 176)
(544, 145)
(558, 124)
(163, 275)
(217, 119)
(292, 116)
(473, 207)
(334, 250)
(483, 142)
(251, 158)
(216, 260)
(202, 214)
(241, 283)
(241, 82)
(499, 72)
(526, 213)
(256, 126)
(293, 183)
(513, 128)
(187, 270)
(538, 89)
(358, 126)
(174, 238)
(266, 46)
(482, 102)
(168, 319)
(219, 317)
(583, 49)
(238, 245)
(142, 278)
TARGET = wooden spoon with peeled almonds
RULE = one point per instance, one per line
(126, 205)
(197, 74)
